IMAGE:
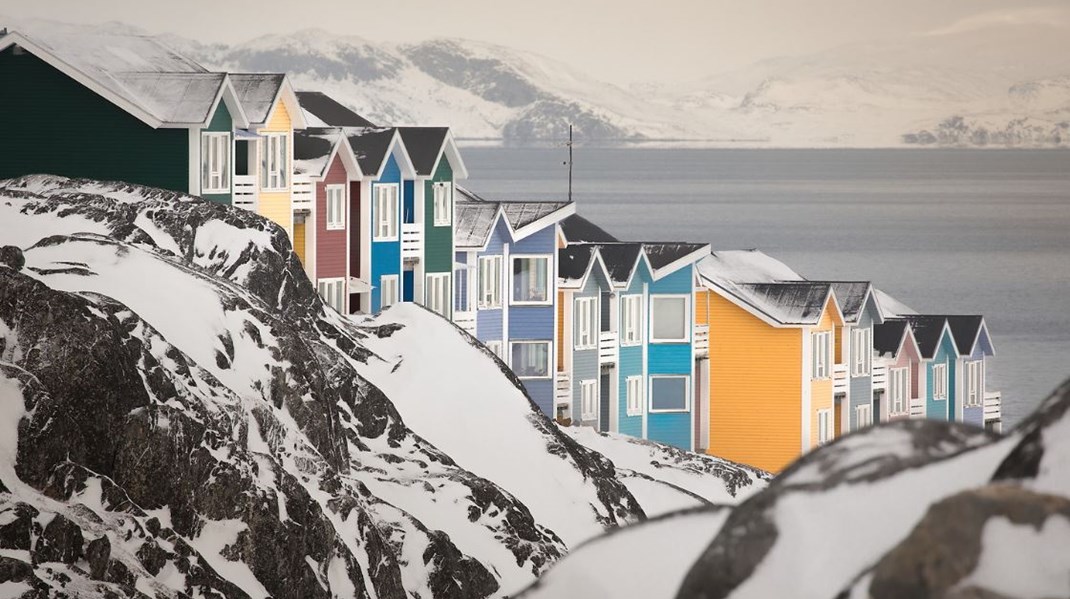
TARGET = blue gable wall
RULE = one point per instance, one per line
(862, 386)
(631, 362)
(535, 322)
(585, 365)
(945, 354)
(671, 358)
(386, 255)
(489, 322)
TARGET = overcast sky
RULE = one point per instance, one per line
(615, 40)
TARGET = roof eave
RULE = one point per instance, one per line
(534, 227)
(679, 263)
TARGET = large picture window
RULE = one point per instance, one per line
(443, 204)
(531, 359)
(215, 162)
(386, 212)
(438, 293)
(336, 207)
(670, 318)
(631, 320)
(490, 282)
(822, 354)
(275, 163)
(861, 351)
(669, 394)
(585, 323)
(531, 280)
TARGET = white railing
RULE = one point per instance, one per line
(563, 389)
(840, 382)
(244, 195)
(880, 377)
(993, 406)
(917, 407)
(304, 194)
(702, 340)
(607, 347)
(466, 320)
(412, 241)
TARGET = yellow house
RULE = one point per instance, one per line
(264, 166)
(771, 342)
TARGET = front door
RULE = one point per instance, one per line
(605, 395)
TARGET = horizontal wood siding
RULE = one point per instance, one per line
(330, 244)
(438, 241)
(221, 122)
(821, 396)
(630, 362)
(671, 358)
(277, 205)
(755, 388)
(542, 393)
(57, 126)
(585, 365)
(386, 255)
(531, 322)
(941, 409)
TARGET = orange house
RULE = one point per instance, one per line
(771, 345)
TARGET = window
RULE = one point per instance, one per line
(939, 381)
(974, 384)
(634, 395)
(531, 283)
(588, 400)
(386, 212)
(898, 384)
(864, 416)
(388, 295)
(669, 394)
(275, 163)
(669, 318)
(531, 359)
(443, 204)
(336, 207)
(822, 358)
(438, 293)
(824, 426)
(333, 293)
(632, 320)
(585, 323)
(490, 282)
(861, 351)
(495, 348)
(215, 162)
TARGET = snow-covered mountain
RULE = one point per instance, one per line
(181, 416)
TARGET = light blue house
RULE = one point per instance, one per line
(974, 405)
(940, 358)
(858, 401)
(505, 260)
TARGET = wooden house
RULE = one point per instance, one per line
(940, 358)
(855, 380)
(975, 405)
(896, 352)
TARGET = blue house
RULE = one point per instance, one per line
(505, 292)
(940, 356)
(974, 406)
(858, 402)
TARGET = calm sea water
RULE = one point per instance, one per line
(945, 231)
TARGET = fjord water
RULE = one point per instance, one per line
(945, 231)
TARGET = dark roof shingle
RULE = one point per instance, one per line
(580, 230)
(329, 111)
(424, 144)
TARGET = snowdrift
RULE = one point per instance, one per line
(181, 416)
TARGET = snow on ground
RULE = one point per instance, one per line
(647, 560)
(1021, 561)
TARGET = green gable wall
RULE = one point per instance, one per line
(438, 241)
(55, 125)
(221, 121)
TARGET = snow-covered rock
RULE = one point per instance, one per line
(180, 415)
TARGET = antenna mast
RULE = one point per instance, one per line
(570, 162)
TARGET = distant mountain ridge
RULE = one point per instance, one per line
(1010, 81)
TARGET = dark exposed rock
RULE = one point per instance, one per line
(16, 532)
(97, 553)
(11, 257)
(1024, 462)
(60, 541)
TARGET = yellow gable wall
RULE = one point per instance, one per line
(821, 396)
(755, 388)
(276, 205)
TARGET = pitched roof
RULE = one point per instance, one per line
(796, 302)
(580, 230)
(312, 149)
(257, 93)
(137, 72)
(891, 307)
(424, 145)
(662, 254)
(965, 329)
(928, 329)
(888, 336)
(574, 260)
(851, 296)
(620, 260)
(473, 220)
(745, 266)
(323, 110)
(522, 214)
(370, 146)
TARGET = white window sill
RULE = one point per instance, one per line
(520, 303)
(678, 341)
(683, 411)
(585, 347)
(634, 413)
(630, 343)
(274, 189)
(385, 239)
(489, 307)
(534, 378)
(443, 224)
(215, 191)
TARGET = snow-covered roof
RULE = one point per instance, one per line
(574, 261)
(796, 302)
(891, 307)
(851, 296)
(312, 149)
(522, 214)
(745, 266)
(476, 217)
(137, 72)
(578, 229)
(474, 220)
(257, 93)
(766, 285)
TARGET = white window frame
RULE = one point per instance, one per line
(899, 391)
(386, 198)
(437, 287)
(585, 317)
(687, 394)
(588, 400)
(442, 203)
(864, 415)
(825, 425)
(940, 381)
(631, 328)
(974, 396)
(276, 162)
(861, 351)
(392, 282)
(336, 207)
(332, 291)
(654, 299)
(548, 259)
(821, 347)
(215, 162)
(495, 348)
(634, 396)
(490, 282)
(549, 359)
